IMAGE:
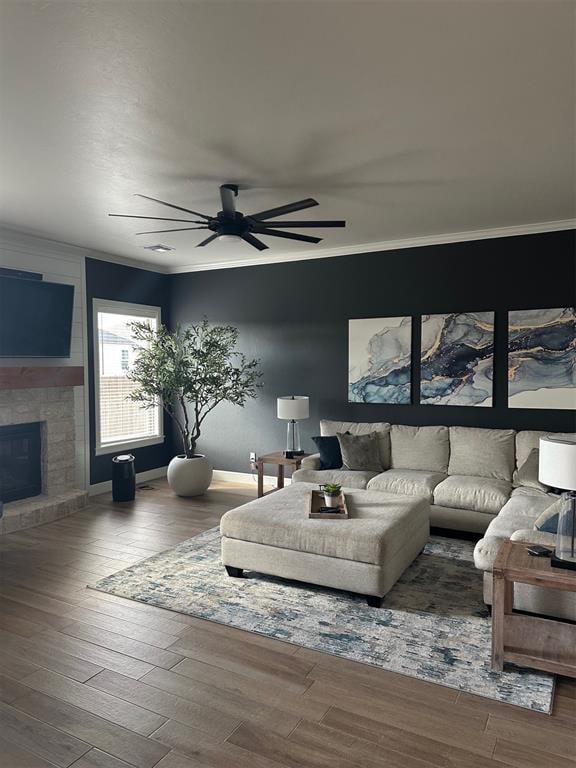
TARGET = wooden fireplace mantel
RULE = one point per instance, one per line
(26, 377)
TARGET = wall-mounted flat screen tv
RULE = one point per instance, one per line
(35, 318)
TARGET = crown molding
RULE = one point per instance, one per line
(24, 241)
(384, 245)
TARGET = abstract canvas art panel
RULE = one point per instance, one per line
(380, 360)
(542, 358)
(456, 364)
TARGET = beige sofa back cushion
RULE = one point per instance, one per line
(423, 448)
(526, 441)
(328, 427)
(482, 452)
(526, 476)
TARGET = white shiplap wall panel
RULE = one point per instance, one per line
(58, 264)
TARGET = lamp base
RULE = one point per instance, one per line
(292, 454)
(558, 562)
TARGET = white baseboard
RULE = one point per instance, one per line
(245, 477)
(141, 477)
(219, 474)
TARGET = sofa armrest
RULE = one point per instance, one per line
(532, 536)
(485, 552)
(311, 462)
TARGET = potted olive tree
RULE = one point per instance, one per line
(190, 371)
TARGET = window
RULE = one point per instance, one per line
(120, 423)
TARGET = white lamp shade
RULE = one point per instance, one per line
(293, 407)
(558, 462)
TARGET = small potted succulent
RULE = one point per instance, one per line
(332, 493)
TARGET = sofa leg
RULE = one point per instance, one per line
(374, 601)
(236, 573)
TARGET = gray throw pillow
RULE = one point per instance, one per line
(361, 452)
(527, 475)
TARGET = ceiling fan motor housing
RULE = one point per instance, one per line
(230, 224)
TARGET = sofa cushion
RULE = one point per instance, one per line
(381, 524)
(482, 452)
(420, 448)
(328, 427)
(330, 453)
(526, 441)
(312, 461)
(409, 482)
(519, 512)
(527, 475)
(530, 536)
(481, 494)
(347, 478)
(524, 490)
(360, 452)
(517, 516)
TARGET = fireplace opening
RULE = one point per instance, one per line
(20, 461)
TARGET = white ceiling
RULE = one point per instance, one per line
(408, 119)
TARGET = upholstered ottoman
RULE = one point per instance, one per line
(366, 553)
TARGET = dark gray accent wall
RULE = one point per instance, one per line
(294, 316)
(105, 280)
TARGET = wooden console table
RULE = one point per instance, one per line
(281, 461)
(524, 639)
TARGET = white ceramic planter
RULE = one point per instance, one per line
(189, 477)
(331, 501)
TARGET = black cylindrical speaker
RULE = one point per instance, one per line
(123, 478)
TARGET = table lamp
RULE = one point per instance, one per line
(292, 408)
(557, 469)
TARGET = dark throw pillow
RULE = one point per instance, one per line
(330, 453)
(361, 452)
(551, 525)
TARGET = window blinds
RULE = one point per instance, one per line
(120, 419)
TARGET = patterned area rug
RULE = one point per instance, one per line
(433, 625)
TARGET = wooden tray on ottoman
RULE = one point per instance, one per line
(317, 500)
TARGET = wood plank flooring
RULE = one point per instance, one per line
(94, 681)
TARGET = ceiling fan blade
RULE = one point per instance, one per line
(227, 194)
(300, 205)
(155, 218)
(177, 207)
(288, 235)
(208, 240)
(306, 223)
(254, 241)
(158, 231)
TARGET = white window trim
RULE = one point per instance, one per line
(119, 307)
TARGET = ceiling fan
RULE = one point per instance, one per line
(231, 224)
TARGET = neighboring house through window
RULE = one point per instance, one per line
(120, 423)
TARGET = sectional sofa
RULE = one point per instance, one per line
(476, 480)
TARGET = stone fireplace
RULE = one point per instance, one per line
(37, 456)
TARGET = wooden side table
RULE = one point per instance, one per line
(281, 461)
(524, 639)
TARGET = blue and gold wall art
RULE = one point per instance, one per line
(456, 361)
(379, 360)
(542, 358)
